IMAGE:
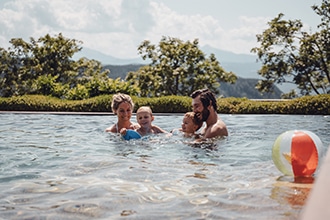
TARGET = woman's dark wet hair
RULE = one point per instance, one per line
(206, 96)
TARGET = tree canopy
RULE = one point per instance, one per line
(177, 68)
(45, 66)
(291, 55)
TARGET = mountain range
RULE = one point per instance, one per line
(245, 66)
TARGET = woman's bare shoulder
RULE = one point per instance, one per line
(111, 129)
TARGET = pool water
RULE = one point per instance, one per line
(66, 167)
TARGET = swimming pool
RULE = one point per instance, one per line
(67, 167)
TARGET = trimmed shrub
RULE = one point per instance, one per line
(165, 104)
(311, 105)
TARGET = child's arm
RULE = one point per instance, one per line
(158, 130)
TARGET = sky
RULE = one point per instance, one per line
(118, 27)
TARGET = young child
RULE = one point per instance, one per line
(190, 125)
(144, 118)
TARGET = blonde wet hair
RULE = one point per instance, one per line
(119, 98)
(144, 109)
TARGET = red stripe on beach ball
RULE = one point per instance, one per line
(304, 156)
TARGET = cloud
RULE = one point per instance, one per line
(170, 23)
(117, 27)
(105, 25)
(207, 29)
(242, 39)
(137, 14)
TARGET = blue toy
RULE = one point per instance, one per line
(131, 134)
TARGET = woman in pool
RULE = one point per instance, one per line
(144, 117)
(190, 125)
(122, 106)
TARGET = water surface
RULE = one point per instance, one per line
(67, 167)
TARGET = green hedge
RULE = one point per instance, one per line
(309, 105)
(166, 104)
(47, 103)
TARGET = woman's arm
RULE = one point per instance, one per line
(111, 129)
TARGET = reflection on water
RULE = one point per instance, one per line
(292, 191)
(66, 167)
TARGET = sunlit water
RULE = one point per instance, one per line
(67, 167)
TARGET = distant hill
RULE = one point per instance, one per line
(121, 70)
(106, 59)
(229, 57)
(222, 56)
(244, 87)
(243, 65)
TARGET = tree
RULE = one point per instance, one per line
(177, 68)
(291, 55)
(25, 62)
(45, 66)
(9, 73)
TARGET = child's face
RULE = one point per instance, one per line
(188, 125)
(144, 119)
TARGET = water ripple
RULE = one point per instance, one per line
(67, 167)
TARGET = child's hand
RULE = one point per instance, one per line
(123, 131)
(134, 127)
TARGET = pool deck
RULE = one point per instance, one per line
(317, 205)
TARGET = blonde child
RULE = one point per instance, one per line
(144, 118)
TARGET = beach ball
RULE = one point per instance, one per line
(297, 153)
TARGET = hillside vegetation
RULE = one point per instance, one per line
(242, 88)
